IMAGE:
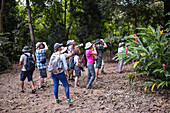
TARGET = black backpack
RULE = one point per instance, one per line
(30, 64)
(71, 63)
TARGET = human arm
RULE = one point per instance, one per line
(105, 45)
(46, 47)
(94, 52)
(21, 60)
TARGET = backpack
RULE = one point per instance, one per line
(56, 64)
(30, 64)
(84, 60)
(71, 63)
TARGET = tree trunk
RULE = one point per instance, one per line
(1, 15)
(65, 19)
(30, 27)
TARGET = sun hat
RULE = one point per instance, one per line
(68, 42)
(38, 44)
(57, 45)
(88, 45)
(25, 49)
(120, 44)
(63, 49)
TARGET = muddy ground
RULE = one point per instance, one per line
(111, 94)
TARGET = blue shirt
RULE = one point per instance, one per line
(40, 55)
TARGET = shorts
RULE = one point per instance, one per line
(98, 62)
(43, 73)
(77, 71)
(25, 74)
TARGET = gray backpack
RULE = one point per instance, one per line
(56, 64)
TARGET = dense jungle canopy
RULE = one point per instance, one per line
(82, 20)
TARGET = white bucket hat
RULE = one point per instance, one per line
(38, 44)
(25, 49)
(63, 49)
(88, 45)
(120, 44)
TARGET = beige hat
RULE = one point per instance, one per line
(25, 49)
(88, 45)
(63, 49)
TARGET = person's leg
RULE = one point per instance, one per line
(98, 66)
(96, 72)
(22, 78)
(22, 85)
(120, 64)
(89, 75)
(102, 67)
(56, 84)
(43, 74)
(76, 81)
(29, 76)
(63, 79)
(41, 80)
(92, 72)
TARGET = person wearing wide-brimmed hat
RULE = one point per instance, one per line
(61, 74)
(25, 73)
(66, 52)
(41, 62)
(90, 63)
(71, 44)
(120, 62)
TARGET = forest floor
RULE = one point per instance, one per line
(111, 94)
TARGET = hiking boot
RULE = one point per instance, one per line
(70, 100)
(22, 91)
(33, 91)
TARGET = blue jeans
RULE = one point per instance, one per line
(91, 75)
(63, 79)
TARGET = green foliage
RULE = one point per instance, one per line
(4, 61)
(150, 51)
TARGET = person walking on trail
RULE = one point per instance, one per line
(78, 66)
(120, 62)
(60, 75)
(71, 45)
(99, 47)
(41, 62)
(25, 73)
(90, 63)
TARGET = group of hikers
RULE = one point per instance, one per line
(63, 62)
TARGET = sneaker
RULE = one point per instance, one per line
(41, 89)
(70, 101)
(57, 101)
(22, 91)
(33, 91)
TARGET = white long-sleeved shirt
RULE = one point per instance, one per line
(121, 50)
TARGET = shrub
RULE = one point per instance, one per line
(150, 52)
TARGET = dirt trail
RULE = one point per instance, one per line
(111, 94)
